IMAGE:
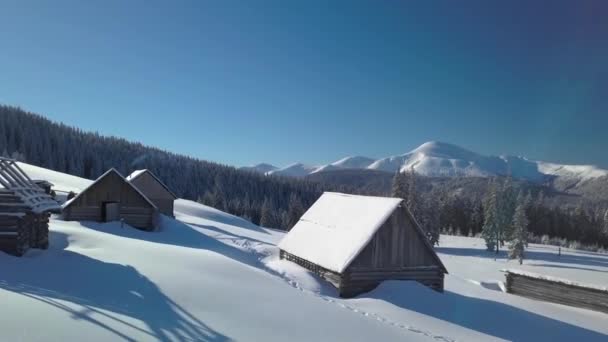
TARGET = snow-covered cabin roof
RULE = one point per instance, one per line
(18, 183)
(112, 170)
(138, 173)
(337, 227)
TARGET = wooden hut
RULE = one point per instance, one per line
(555, 290)
(112, 198)
(24, 210)
(154, 189)
(356, 242)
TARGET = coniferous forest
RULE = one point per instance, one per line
(279, 201)
(271, 201)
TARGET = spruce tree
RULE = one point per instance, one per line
(519, 236)
(267, 215)
(489, 231)
(605, 224)
(400, 185)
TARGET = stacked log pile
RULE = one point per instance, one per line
(557, 291)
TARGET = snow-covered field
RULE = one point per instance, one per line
(208, 275)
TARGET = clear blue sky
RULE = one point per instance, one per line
(313, 81)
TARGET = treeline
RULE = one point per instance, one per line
(439, 206)
(272, 201)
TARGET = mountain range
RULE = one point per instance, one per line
(440, 159)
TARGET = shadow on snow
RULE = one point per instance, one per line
(99, 289)
(583, 259)
(486, 316)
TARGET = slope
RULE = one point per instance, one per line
(209, 275)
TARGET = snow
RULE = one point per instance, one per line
(135, 174)
(353, 162)
(61, 182)
(208, 275)
(582, 172)
(337, 227)
(439, 159)
(294, 170)
(261, 168)
(554, 279)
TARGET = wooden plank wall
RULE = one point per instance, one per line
(395, 245)
(134, 209)
(157, 193)
(557, 292)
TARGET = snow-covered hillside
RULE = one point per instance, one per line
(261, 168)
(442, 159)
(208, 275)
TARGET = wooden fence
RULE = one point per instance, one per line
(557, 291)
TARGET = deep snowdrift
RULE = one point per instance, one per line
(211, 276)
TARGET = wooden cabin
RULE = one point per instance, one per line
(356, 242)
(154, 189)
(24, 210)
(555, 290)
(112, 198)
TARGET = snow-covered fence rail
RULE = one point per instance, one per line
(557, 290)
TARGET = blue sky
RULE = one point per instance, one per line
(314, 81)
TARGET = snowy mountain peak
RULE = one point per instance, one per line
(444, 150)
(261, 168)
(441, 159)
(353, 162)
(294, 170)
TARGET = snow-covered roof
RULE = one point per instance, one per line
(337, 227)
(138, 173)
(112, 170)
(135, 174)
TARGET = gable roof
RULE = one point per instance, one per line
(110, 171)
(135, 174)
(337, 227)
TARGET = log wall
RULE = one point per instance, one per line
(557, 292)
(20, 232)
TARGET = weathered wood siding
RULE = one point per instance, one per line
(557, 292)
(134, 209)
(156, 192)
(396, 252)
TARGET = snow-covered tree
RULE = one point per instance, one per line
(268, 215)
(490, 230)
(506, 210)
(605, 228)
(400, 185)
(519, 232)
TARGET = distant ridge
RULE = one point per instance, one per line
(440, 159)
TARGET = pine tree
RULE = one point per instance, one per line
(490, 230)
(400, 185)
(412, 199)
(519, 236)
(506, 209)
(295, 211)
(267, 215)
(605, 224)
